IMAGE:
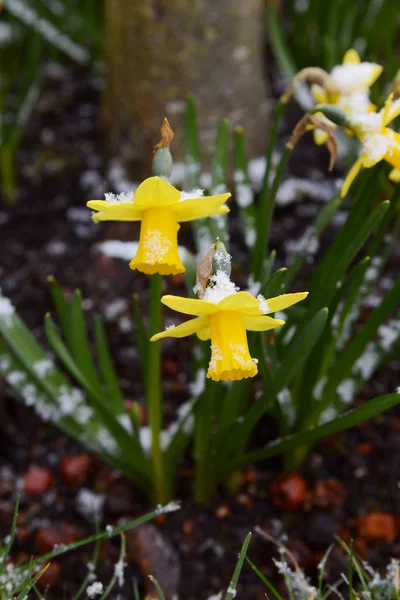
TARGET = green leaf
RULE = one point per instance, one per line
(244, 194)
(342, 368)
(11, 536)
(62, 306)
(265, 214)
(61, 350)
(142, 335)
(322, 287)
(79, 343)
(219, 164)
(349, 419)
(192, 148)
(106, 365)
(217, 225)
(264, 580)
(99, 537)
(129, 446)
(235, 440)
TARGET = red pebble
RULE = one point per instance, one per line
(76, 469)
(377, 527)
(37, 481)
(46, 539)
(288, 492)
(364, 448)
(50, 577)
(328, 493)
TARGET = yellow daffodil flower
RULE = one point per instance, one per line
(160, 207)
(352, 79)
(378, 141)
(224, 315)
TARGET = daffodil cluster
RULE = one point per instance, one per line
(347, 89)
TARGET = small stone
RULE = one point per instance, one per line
(377, 527)
(76, 469)
(222, 511)
(320, 529)
(328, 493)
(154, 556)
(120, 500)
(364, 448)
(50, 577)
(46, 539)
(37, 481)
(288, 492)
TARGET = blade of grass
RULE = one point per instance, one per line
(231, 592)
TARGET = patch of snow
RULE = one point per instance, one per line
(43, 367)
(195, 193)
(7, 310)
(346, 390)
(220, 286)
(95, 589)
(89, 504)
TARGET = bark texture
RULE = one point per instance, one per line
(159, 50)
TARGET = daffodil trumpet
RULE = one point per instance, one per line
(224, 315)
(160, 207)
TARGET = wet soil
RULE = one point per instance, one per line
(49, 232)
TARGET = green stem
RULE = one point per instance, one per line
(154, 392)
(266, 211)
(204, 483)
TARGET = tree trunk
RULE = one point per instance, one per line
(159, 50)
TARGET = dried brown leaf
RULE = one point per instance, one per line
(311, 75)
(308, 123)
(166, 135)
(204, 271)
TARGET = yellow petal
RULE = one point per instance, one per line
(350, 177)
(320, 95)
(351, 57)
(262, 323)
(387, 109)
(394, 111)
(320, 137)
(182, 330)
(199, 208)
(394, 175)
(189, 306)
(376, 71)
(392, 156)
(204, 334)
(121, 211)
(284, 301)
(242, 302)
(155, 192)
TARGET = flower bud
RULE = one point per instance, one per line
(221, 259)
(162, 160)
(162, 163)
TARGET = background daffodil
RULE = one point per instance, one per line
(160, 207)
(352, 80)
(379, 142)
(224, 315)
